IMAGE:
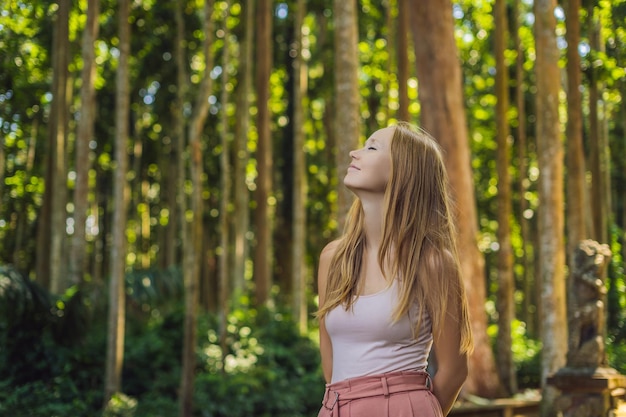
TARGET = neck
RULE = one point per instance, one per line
(373, 221)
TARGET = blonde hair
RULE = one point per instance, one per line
(418, 228)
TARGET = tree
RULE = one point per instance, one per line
(225, 187)
(85, 135)
(117, 289)
(443, 115)
(403, 59)
(56, 183)
(241, 192)
(264, 212)
(551, 222)
(576, 184)
(506, 279)
(576, 196)
(598, 141)
(179, 209)
(192, 248)
(299, 270)
(522, 162)
(347, 119)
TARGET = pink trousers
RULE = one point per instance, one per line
(394, 394)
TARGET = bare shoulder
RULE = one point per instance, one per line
(329, 251)
(324, 264)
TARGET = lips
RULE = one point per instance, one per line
(353, 167)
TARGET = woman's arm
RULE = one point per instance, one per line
(326, 348)
(452, 364)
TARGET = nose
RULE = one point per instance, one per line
(353, 154)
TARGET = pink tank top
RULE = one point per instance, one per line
(366, 341)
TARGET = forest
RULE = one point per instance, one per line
(171, 170)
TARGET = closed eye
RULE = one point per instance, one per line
(371, 148)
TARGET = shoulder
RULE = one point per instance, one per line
(326, 257)
(329, 251)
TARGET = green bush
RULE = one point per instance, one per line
(53, 364)
(526, 354)
(268, 370)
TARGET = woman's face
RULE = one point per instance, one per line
(370, 168)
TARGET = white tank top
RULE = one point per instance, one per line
(366, 341)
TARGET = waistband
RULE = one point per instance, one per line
(386, 384)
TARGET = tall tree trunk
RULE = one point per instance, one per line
(58, 183)
(551, 245)
(263, 213)
(117, 300)
(193, 255)
(299, 270)
(225, 187)
(576, 198)
(599, 229)
(19, 260)
(529, 315)
(597, 138)
(403, 60)
(347, 115)
(576, 183)
(78, 253)
(242, 194)
(180, 206)
(506, 279)
(443, 115)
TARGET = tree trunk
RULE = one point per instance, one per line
(242, 194)
(192, 253)
(577, 211)
(58, 183)
(225, 186)
(443, 115)
(506, 279)
(600, 166)
(299, 270)
(187, 358)
(403, 60)
(19, 260)
(528, 315)
(576, 198)
(550, 159)
(77, 260)
(117, 300)
(347, 116)
(180, 205)
(263, 213)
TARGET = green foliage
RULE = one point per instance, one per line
(526, 354)
(267, 369)
(616, 353)
(120, 405)
(270, 370)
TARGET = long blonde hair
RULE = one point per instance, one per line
(417, 228)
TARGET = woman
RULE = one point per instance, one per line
(390, 288)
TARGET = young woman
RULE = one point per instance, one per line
(390, 288)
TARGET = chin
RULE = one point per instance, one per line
(348, 183)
